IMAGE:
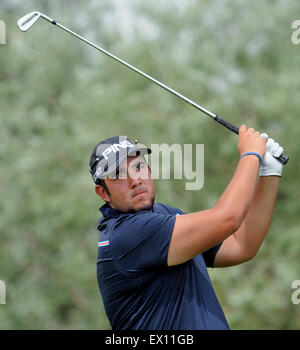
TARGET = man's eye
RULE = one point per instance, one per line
(140, 166)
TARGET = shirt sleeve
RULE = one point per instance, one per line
(209, 255)
(141, 241)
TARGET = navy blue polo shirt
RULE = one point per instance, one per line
(138, 288)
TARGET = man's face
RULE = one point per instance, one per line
(132, 188)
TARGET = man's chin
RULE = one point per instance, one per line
(144, 205)
(141, 204)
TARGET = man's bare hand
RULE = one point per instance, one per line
(251, 141)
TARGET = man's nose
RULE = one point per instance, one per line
(134, 178)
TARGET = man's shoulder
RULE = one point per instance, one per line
(143, 216)
(158, 209)
(166, 209)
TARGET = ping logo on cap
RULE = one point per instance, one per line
(115, 148)
(97, 173)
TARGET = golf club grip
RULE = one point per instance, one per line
(283, 159)
(227, 124)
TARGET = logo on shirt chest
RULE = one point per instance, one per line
(103, 243)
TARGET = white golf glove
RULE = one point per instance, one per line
(270, 165)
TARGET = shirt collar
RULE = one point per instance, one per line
(109, 212)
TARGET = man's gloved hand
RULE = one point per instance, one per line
(270, 165)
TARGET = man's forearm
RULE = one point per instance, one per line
(239, 194)
(255, 226)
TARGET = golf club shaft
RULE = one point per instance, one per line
(212, 115)
(282, 158)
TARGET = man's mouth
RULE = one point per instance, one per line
(139, 193)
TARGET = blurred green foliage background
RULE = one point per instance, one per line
(59, 97)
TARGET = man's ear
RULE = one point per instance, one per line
(100, 190)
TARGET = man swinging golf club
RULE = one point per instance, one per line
(153, 258)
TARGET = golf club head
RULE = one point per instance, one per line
(25, 22)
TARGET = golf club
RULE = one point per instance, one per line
(27, 21)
